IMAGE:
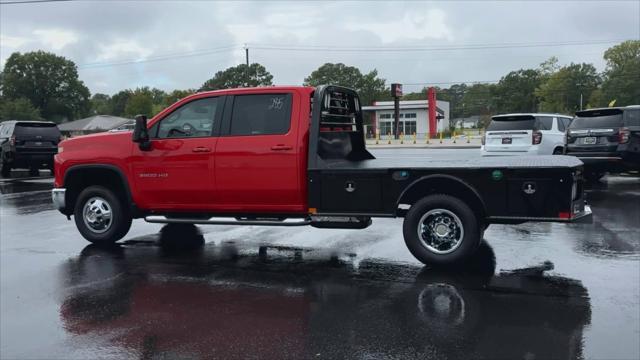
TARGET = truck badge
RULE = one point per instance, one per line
(350, 186)
(529, 188)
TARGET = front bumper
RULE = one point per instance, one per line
(58, 198)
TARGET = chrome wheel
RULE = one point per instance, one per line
(440, 231)
(96, 214)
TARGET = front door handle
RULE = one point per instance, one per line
(201, 149)
(281, 147)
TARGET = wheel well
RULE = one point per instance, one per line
(441, 185)
(558, 147)
(77, 180)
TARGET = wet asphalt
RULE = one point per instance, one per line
(533, 291)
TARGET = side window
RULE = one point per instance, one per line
(567, 122)
(632, 117)
(268, 114)
(194, 119)
(545, 123)
(561, 126)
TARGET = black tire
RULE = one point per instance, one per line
(5, 169)
(594, 176)
(558, 151)
(120, 220)
(470, 234)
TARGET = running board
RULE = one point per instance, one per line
(164, 220)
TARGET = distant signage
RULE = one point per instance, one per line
(396, 90)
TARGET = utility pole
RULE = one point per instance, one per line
(246, 56)
(396, 92)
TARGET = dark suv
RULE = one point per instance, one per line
(27, 144)
(606, 140)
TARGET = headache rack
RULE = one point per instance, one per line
(337, 132)
(339, 112)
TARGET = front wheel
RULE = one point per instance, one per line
(5, 168)
(100, 216)
(441, 230)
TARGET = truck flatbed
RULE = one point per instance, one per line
(427, 163)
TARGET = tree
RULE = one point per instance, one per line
(18, 109)
(239, 76)
(119, 102)
(368, 86)
(49, 82)
(621, 76)
(176, 95)
(478, 99)
(101, 104)
(516, 91)
(140, 102)
(563, 90)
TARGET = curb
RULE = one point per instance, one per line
(422, 147)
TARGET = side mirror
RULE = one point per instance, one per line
(141, 133)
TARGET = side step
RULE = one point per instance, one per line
(226, 221)
(340, 222)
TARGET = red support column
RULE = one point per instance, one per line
(431, 103)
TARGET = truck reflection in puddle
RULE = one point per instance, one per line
(230, 301)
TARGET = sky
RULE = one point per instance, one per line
(180, 44)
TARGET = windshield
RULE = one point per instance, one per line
(597, 122)
(511, 124)
(37, 129)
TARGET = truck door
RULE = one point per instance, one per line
(177, 173)
(256, 167)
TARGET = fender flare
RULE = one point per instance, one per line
(428, 178)
(123, 179)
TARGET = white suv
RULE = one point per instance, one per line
(525, 134)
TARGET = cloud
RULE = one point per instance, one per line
(123, 50)
(412, 26)
(113, 32)
(56, 39)
(12, 42)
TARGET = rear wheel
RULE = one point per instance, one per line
(594, 176)
(441, 229)
(100, 216)
(5, 169)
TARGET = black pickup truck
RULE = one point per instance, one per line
(292, 156)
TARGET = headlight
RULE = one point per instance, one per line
(60, 148)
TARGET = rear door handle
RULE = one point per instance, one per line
(281, 147)
(201, 149)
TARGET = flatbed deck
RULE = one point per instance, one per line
(501, 162)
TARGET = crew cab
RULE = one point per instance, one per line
(295, 156)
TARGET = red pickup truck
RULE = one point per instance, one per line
(288, 156)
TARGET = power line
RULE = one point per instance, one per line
(163, 57)
(31, 2)
(303, 48)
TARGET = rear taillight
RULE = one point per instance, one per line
(536, 137)
(623, 136)
(12, 141)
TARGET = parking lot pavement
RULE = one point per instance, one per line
(533, 291)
